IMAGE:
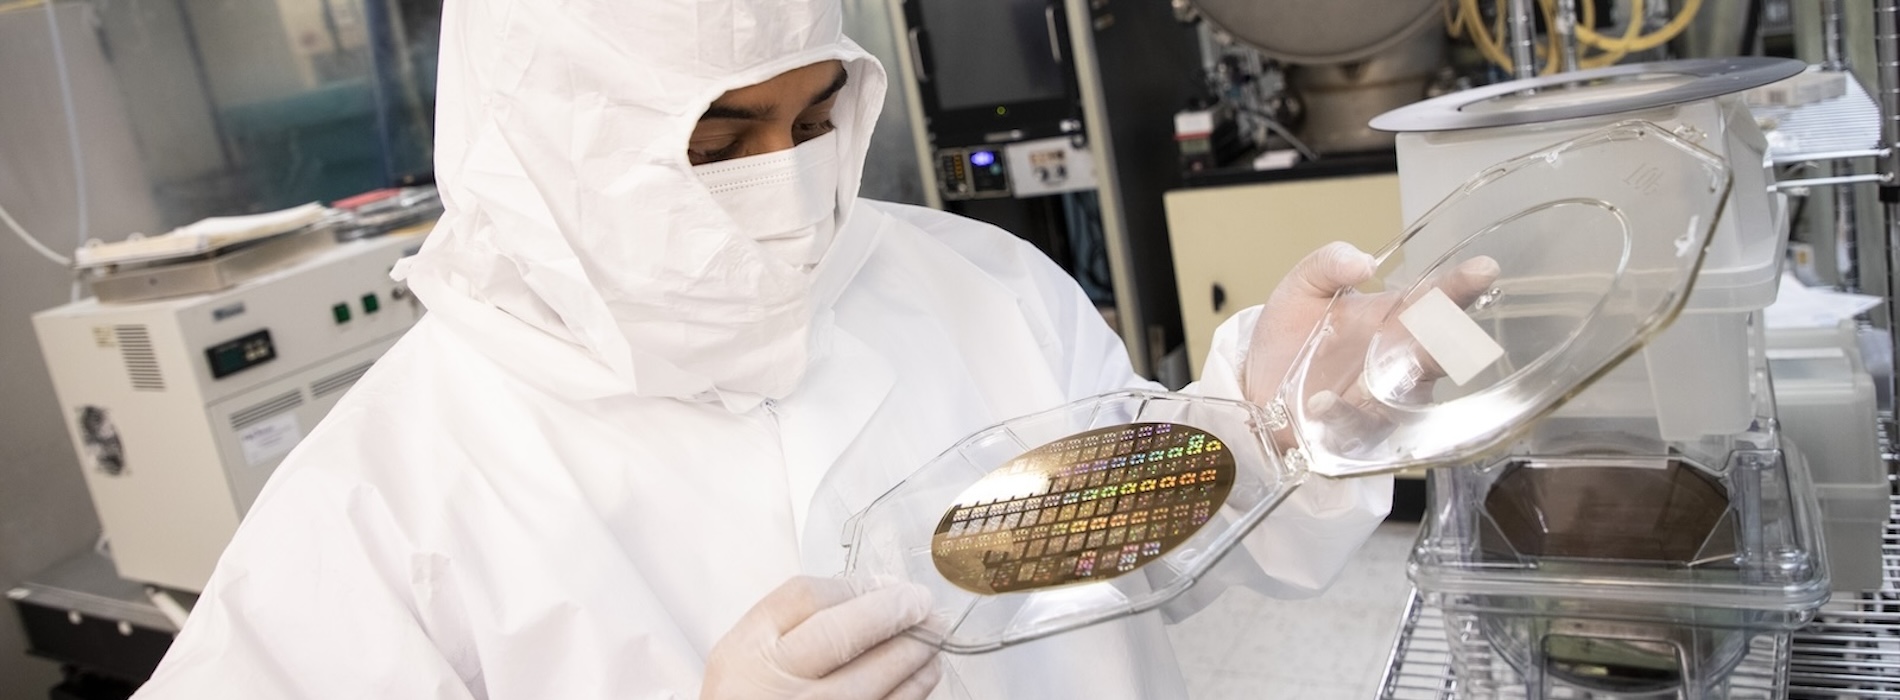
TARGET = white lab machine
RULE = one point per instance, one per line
(181, 407)
(1637, 541)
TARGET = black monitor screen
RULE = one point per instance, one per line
(991, 52)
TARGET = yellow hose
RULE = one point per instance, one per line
(1553, 55)
(1491, 48)
(1629, 44)
(1468, 20)
(1609, 56)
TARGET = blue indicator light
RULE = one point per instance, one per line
(982, 159)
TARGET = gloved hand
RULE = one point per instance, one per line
(826, 638)
(1302, 297)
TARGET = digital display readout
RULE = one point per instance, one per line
(233, 356)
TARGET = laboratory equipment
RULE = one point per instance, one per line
(1533, 280)
(1209, 137)
(1639, 540)
(181, 407)
(1343, 72)
(206, 256)
(1052, 119)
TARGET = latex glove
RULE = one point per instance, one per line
(1303, 296)
(826, 638)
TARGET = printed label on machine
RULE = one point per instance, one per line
(270, 438)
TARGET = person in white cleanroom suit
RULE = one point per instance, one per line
(666, 358)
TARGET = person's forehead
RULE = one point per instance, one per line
(808, 79)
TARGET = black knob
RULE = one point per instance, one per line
(1220, 297)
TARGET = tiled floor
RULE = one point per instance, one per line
(1334, 646)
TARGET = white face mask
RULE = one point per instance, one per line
(786, 200)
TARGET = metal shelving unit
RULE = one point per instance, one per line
(1851, 650)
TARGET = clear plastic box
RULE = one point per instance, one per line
(1728, 664)
(1608, 594)
(1674, 577)
(1754, 521)
(1824, 401)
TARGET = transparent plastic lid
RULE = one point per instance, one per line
(1502, 302)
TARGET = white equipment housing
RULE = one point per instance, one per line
(181, 408)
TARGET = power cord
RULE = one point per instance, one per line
(32, 242)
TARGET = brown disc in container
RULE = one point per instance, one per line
(1089, 507)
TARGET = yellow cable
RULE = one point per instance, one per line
(1481, 36)
(1601, 58)
(1605, 57)
(1643, 42)
(1499, 33)
(1468, 21)
(1490, 41)
(1553, 56)
(1454, 20)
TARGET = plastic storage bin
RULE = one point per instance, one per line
(1634, 541)
(1618, 574)
(1825, 402)
(1699, 367)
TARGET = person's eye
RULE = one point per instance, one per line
(700, 155)
(807, 130)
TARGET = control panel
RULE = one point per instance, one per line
(233, 356)
(972, 173)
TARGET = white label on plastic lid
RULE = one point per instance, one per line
(1449, 337)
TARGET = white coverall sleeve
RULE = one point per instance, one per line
(319, 597)
(1302, 545)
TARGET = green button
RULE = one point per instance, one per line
(341, 312)
(370, 304)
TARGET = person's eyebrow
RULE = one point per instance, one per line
(836, 85)
(719, 111)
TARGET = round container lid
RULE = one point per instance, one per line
(1309, 32)
(1590, 93)
(1503, 302)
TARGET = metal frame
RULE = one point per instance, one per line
(1851, 650)
(1131, 319)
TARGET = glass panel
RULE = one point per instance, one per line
(992, 52)
(243, 106)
